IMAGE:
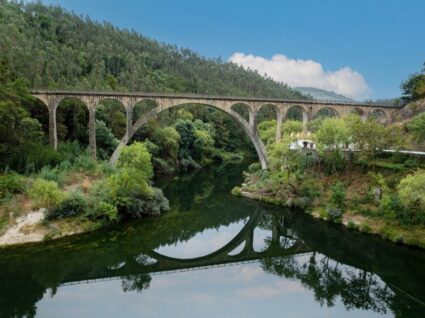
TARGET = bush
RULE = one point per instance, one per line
(73, 205)
(333, 213)
(46, 193)
(11, 183)
(309, 189)
(338, 194)
(392, 207)
(148, 205)
(253, 167)
(51, 174)
(365, 228)
(351, 225)
(104, 212)
(237, 191)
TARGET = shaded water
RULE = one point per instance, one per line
(214, 255)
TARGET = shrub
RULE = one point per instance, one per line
(333, 213)
(45, 193)
(351, 225)
(51, 174)
(391, 206)
(365, 228)
(253, 167)
(148, 205)
(11, 183)
(236, 191)
(338, 194)
(73, 205)
(309, 189)
(104, 212)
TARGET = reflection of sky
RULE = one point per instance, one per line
(203, 243)
(233, 291)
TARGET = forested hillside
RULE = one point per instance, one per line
(56, 49)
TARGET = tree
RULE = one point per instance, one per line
(411, 191)
(417, 127)
(414, 87)
(333, 134)
(133, 173)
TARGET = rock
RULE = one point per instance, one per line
(377, 192)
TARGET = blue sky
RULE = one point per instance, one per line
(362, 48)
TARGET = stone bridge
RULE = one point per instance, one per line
(308, 108)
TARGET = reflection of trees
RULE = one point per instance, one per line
(136, 283)
(328, 279)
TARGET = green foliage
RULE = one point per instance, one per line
(371, 137)
(75, 204)
(292, 126)
(152, 204)
(338, 194)
(333, 213)
(333, 134)
(414, 87)
(253, 167)
(411, 191)
(53, 48)
(417, 127)
(103, 212)
(392, 206)
(134, 171)
(309, 189)
(105, 140)
(52, 174)
(11, 183)
(267, 131)
(45, 193)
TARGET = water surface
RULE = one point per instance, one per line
(214, 255)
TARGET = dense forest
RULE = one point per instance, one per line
(55, 49)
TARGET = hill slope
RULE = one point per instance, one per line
(53, 48)
(321, 94)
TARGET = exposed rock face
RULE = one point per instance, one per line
(16, 233)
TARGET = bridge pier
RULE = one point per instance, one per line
(129, 114)
(279, 121)
(53, 130)
(92, 131)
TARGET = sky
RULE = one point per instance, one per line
(363, 49)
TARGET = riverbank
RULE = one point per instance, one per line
(364, 208)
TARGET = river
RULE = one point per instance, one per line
(214, 255)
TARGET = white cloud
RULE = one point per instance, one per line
(306, 73)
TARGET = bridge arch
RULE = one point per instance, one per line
(326, 111)
(248, 128)
(379, 115)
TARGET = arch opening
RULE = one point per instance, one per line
(326, 112)
(379, 115)
(258, 145)
(295, 112)
(141, 108)
(72, 117)
(266, 122)
(242, 110)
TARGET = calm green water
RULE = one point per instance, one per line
(214, 255)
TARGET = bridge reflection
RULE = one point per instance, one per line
(282, 243)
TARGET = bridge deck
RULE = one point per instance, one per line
(209, 97)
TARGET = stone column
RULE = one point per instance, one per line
(279, 120)
(305, 121)
(253, 122)
(53, 132)
(129, 113)
(92, 131)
